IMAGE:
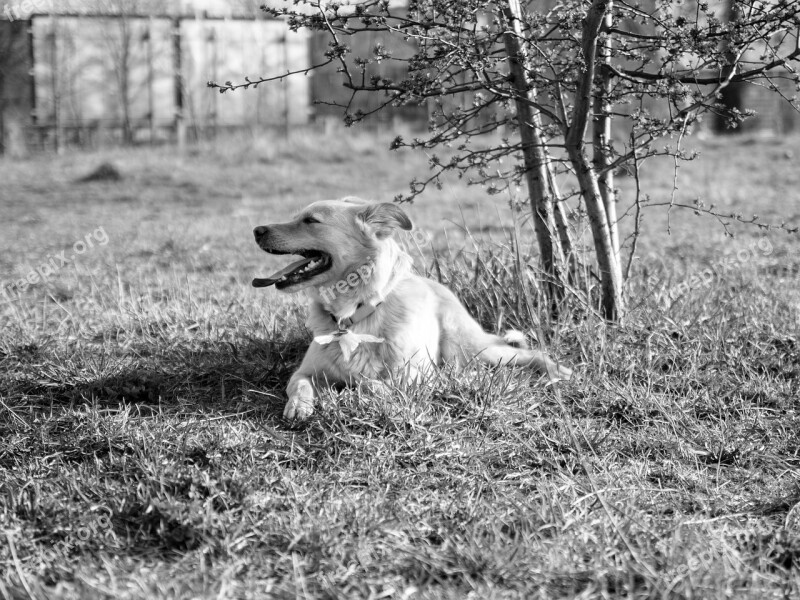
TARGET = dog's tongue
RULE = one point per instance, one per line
(276, 277)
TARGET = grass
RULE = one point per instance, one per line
(141, 388)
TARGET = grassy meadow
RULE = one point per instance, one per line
(143, 453)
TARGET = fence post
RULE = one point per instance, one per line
(32, 80)
(212, 40)
(148, 39)
(180, 125)
(55, 84)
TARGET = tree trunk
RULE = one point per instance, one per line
(562, 225)
(601, 142)
(607, 250)
(612, 304)
(536, 162)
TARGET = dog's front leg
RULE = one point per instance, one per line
(302, 390)
(301, 396)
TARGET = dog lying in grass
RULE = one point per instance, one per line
(371, 316)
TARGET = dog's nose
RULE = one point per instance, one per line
(259, 231)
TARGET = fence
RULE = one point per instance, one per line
(95, 78)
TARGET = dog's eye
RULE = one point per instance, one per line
(309, 220)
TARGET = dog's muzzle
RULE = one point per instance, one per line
(314, 262)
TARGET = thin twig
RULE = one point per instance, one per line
(638, 218)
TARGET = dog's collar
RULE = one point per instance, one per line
(367, 308)
(348, 340)
(364, 310)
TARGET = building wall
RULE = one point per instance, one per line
(230, 50)
(90, 71)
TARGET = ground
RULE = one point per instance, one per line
(144, 454)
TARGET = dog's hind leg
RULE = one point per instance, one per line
(464, 339)
(499, 353)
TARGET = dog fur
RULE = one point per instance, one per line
(422, 323)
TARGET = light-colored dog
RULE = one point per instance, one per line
(372, 318)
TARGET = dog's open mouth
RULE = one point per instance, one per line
(314, 262)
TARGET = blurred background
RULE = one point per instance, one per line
(93, 73)
(89, 74)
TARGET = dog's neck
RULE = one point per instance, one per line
(387, 269)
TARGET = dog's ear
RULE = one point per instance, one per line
(384, 218)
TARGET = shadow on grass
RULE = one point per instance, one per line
(158, 484)
(192, 376)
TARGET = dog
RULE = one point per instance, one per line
(372, 318)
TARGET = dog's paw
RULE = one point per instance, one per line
(515, 338)
(298, 408)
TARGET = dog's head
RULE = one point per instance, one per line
(335, 239)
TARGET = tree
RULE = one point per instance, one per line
(557, 76)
